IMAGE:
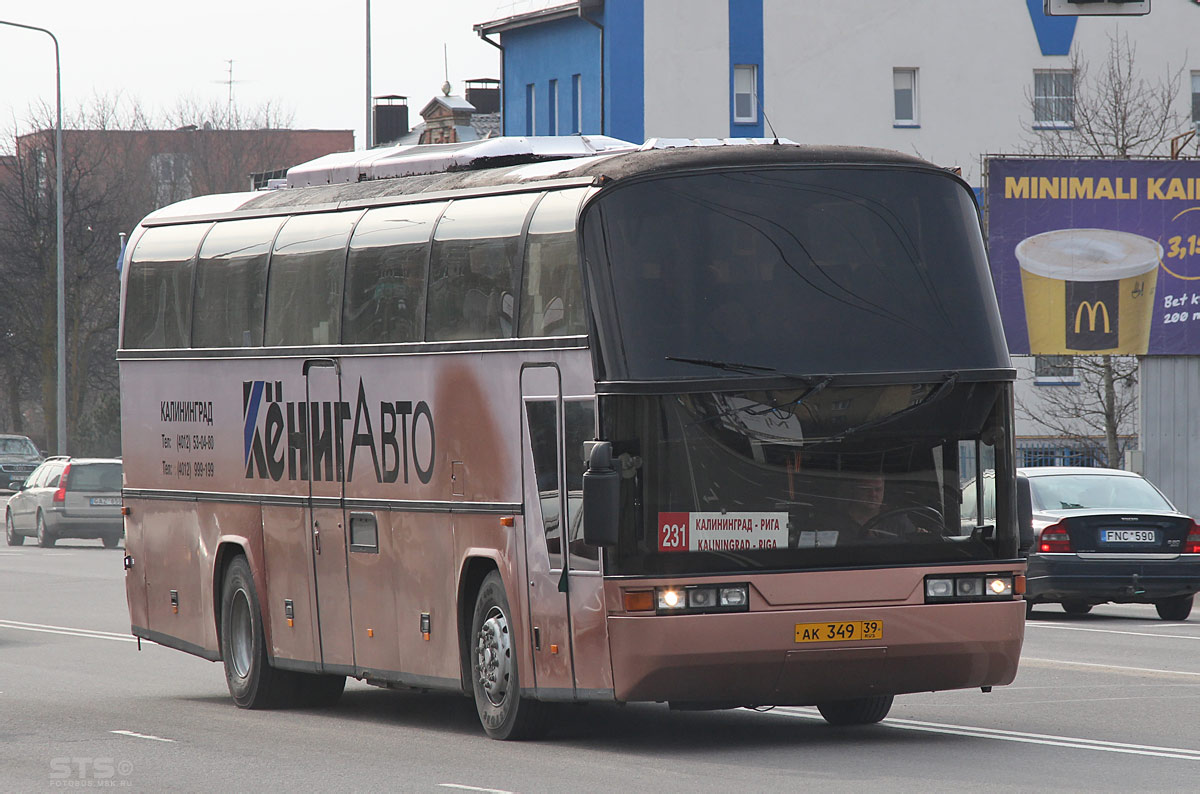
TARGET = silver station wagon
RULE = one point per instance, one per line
(68, 498)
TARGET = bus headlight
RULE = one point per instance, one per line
(736, 596)
(670, 598)
(969, 587)
(999, 585)
(939, 588)
(693, 599)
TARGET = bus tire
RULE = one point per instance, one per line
(1076, 607)
(859, 711)
(253, 682)
(495, 679)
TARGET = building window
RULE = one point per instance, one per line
(745, 94)
(1054, 369)
(577, 103)
(530, 110)
(552, 107)
(1196, 99)
(904, 97)
(1053, 99)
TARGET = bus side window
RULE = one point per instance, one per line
(231, 284)
(551, 296)
(473, 268)
(158, 295)
(579, 416)
(385, 275)
(543, 437)
(304, 285)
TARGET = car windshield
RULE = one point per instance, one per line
(1091, 491)
(95, 477)
(17, 446)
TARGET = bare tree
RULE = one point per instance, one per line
(228, 143)
(1099, 414)
(101, 196)
(116, 169)
(1115, 110)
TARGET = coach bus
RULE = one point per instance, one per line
(667, 423)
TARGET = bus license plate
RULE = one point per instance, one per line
(842, 631)
(1128, 536)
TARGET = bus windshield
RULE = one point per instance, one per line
(803, 269)
(723, 482)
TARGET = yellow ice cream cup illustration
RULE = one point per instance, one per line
(1088, 290)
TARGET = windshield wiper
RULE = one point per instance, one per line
(941, 391)
(729, 366)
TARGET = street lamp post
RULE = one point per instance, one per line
(61, 409)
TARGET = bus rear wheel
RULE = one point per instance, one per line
(253, 682)
(859, 711)
(495, 679)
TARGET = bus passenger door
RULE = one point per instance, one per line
(547, 593)
(326, 515)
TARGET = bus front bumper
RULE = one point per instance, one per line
(752, 658)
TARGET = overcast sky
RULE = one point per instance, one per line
(306, 56)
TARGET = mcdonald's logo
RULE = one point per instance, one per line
(1093, 309)
(1092, 315)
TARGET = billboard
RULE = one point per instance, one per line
(1096, 256)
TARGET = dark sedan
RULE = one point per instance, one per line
(1103, 535)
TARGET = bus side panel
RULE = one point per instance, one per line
(421, 574)
(287, 560)
(135, 572)
(179, 553)
(373, 585)
(589, 627)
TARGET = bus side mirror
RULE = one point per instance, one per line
(1024, 515)
(601, 495)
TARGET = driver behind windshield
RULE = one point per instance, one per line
(865, 517)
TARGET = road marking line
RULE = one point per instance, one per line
(66, 631)
(474, 788)
(1095, 665)
(1017, 736)
(1061, 627)
(143, 736)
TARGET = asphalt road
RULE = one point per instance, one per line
(1103, 702)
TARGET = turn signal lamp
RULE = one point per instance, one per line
(1192, 544)
(61, 494)
(639, 600)
(1054, 539)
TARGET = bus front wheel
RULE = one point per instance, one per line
(860, 711)
(253, 682)
(495, 679)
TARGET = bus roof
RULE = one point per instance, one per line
(514, 166)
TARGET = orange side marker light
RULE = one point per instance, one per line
(639, 600)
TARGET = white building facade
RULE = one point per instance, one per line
(948, 80)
